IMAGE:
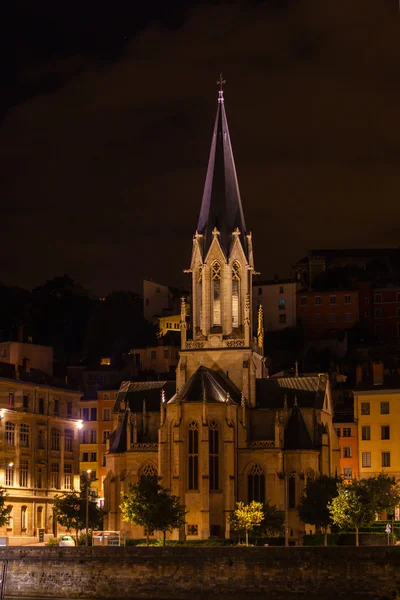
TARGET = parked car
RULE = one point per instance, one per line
(67, 540)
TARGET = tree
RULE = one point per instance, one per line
(273, 521)
(152, 506)
(4, 510)
(69, 509)
(353, 506)
(247, 516)
(384, 492)
(314, 503)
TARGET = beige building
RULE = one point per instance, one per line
(222, 434)
(278, 299)
(39, 449)
(157, 359)
(27, 356)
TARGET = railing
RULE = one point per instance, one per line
(145, 447)
(261, 444)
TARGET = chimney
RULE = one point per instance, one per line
(377, 372)
(359, 374)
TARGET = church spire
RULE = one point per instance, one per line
(221, 207)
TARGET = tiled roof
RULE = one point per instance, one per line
(134, 392)
(209, 385)
(310, 392)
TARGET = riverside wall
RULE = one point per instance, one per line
(176, 573)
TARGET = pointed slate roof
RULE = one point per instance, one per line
(221, 206)
(207, 385)
(296, 432)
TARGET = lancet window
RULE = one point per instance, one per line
(213, 446)
(200, 298)
(235, 294)
(148, 470)
(193, 456)
(256, 484)
(216, 293)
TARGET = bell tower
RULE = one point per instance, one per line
(222, 269)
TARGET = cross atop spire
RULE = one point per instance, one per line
(221, 82)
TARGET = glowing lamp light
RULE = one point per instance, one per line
(2, 413)
(80, 424)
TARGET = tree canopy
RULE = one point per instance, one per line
(352, 508)
(314, 503)
(246, 517)
(5, 510)
(69, 509)
(152, 506)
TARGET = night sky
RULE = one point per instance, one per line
(107, 117)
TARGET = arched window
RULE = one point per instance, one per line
(193, 457)
(24, 519)
(39, 517)
(256, 484)
(213, 447)
(216, 293)
(235, 294)
(148, 470)
(200, 299)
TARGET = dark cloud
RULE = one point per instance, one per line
(102, 172)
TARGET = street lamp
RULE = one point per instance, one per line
(87, 505)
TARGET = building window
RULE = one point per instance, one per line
(292, 491)
(56, 407)
(366, 459)
(332, 317)
(148, 470)
(347, 317)
(385, 432)
(25, 402)
(93, 414)
(85, 414)
(106, 414)
(281, 289)
(9, 474)
(193, 530)
(193, 470)
(68, 440)
(41, 406)
(39, 517)
(93, 436)
(93, 456)
(346, 431)
(104, 461)
(235, 294)
(85, 456)
(317, 300)
(55, 476)
(11, 400)
(378, 312)
(23, 473)
(24, 435)
(216, 293)
(348, 472)
(69, 409)
(365, 408)
(378, 298)
(366, 432)
(39, 478)
(332, 299)
(93, 475)
(385, 459)
(55, 438)
(347, 299)
(40, 439)
(256, 484)
(303, 300)
(153, 354)
(10, 433)
(281, 305)
(282, 319)
(24, 518)
(260, 291)
(337, 431)
(384, 408)
(166, 353)
(106, 435)
(347, 453)
(213, 447)
(67, 476)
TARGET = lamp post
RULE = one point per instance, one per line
(87, 505)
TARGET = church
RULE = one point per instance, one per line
(225, 431)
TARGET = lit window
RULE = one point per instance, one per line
(9, 475)
(384, 408)
(385, 459)
(24, 435)
(281, 304)
(193, 456)
(55, 475)
(366, 459)
(106, 361)
(348, 472)
(68, 440)
(23, 473)
(67, 476)
(365, 408)
(216, 293)
(10, 433)
(235, 294)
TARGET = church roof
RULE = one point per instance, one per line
(309, 391)
(206, 384)
(134, 392)
(221, 206)
(296, 432)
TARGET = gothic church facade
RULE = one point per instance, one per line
(225, 432)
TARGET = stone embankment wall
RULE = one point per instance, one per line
(190, 573)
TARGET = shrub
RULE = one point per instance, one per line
(53, 542)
